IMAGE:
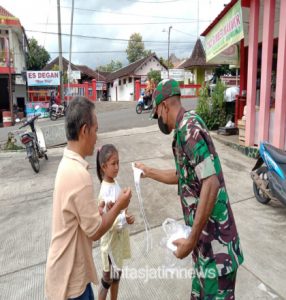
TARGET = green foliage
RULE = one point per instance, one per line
(57, 68)
(37, 56)
(212, 109)
(11, 143)
(165, 62)
(136, 49)
(113, 66)
(155, 75)
(224, 70)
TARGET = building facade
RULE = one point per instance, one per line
(13, 48)
(260, 30)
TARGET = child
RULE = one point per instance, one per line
(115, 244)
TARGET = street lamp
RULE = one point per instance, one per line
(169, 31)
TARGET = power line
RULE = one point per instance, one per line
(103, 38)
(125, 14)
(123, 24)
(193, 35)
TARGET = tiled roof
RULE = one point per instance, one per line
(82, 68)
(130, 69)
(91, 73)
(5, 13)
(198, 57)
(55, 61)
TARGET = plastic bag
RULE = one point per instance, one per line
(174, 231)
(137, 176)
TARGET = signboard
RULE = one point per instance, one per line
(43, 109)
(19, 80)
(177, 74)
(75, 75)
(43, 78)
(228, 31)
(230, 56)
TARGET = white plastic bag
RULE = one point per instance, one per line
(174, 231)
(137, 176)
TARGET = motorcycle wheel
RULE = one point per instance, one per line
(34, 161)
(260, 196)
(139, 109)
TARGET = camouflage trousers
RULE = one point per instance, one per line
(219, 288)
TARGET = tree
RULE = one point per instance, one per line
(155, 75)
(136, 49)
(165, 62)
(37, 56)
(212, 109)
(114, 65)
(57, 68)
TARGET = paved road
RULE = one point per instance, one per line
(25, 218)
(111, 116)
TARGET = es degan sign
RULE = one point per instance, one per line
(43, 78)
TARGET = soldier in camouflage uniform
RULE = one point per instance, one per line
(214, 241)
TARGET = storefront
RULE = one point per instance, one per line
(42, 85)
(262, 67)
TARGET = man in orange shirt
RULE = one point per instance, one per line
(76, 220)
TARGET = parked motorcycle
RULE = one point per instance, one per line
(57, 111)
(142, 107)
(34, 142)
(269, 174)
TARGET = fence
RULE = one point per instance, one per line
(188, 91)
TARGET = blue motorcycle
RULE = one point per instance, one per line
(144, 104)
(269, 174)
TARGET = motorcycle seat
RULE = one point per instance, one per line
(277, 154)
(30, 134)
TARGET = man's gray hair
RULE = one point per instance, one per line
(80, 111)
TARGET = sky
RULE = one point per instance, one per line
(102, 28)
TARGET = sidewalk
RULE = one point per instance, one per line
(26, 223)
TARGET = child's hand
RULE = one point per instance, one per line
(129, 218)
(101, 207)
(124, 198)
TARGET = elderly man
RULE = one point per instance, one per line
(76, 220)
(214, 241)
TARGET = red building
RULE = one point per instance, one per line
(258, 29)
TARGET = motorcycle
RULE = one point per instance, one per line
(269, 174)
(142, 107)
(57, 111)
(34, 142)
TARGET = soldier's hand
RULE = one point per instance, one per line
(144, 168)
(184, 247)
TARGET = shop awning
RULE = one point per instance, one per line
(226, 32)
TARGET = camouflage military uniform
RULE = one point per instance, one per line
(218, 253)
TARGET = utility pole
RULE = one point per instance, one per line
(60, 50)
(198, 20)
(10, 82)
(69, 67)
(170, 27)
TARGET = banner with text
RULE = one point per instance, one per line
(43, 78)
(228, 31)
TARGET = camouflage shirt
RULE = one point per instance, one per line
(218, 250)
